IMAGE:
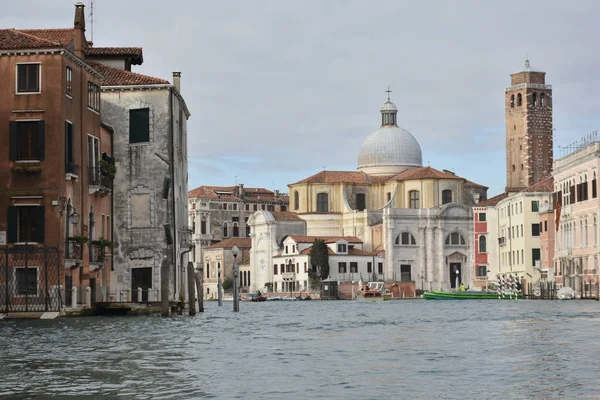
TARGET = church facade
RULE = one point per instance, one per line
(418, 217)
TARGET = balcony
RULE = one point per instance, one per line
(502, 241)
(97, 254)
(73, 253)
(288, 276)
(71, 170)
(100, 181)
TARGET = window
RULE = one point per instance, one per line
(542, 99)
(93, 96)
(93, 151)
(512, 100)
(322, 202)
(255, 207)
(28, 78)
(25, 224)
(353, 267)
(69, 146)
(275, 269)
(234, 207)
(341, 248)
(247, 231)
(482, 217)
(482, 244)
(414, 199)
(389, 196)
(263, 207)
(455, 239)
(296, 200)
(519, 100)
(380, 268)
(482, 270)
(26, 140)
(405, 273)
(286, 250)
(405, 239)
(535, 256)
(293, 248)
(594, 187)
(225, 230)
(535, 206)
(247, 207)
(207, 271)
(446, 196)
(69, 80)
(342, 268)
(361, 201)
(26, 281)
(305, 268)
(283, 208)
(236, 230)
(203, 226)
(545, 226)
(369, 267)
(534, 99)
(139, 125)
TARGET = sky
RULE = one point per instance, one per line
(280, 90)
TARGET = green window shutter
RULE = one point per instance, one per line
(41, 144)
(139, 125)
(12, 224)
(14, 141)
(39, 222)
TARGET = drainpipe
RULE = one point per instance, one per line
(181, 285)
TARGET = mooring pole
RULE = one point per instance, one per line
(191, 289)
(164, 287)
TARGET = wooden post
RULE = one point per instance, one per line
(191, 289)
(164, 288)
(200, 290)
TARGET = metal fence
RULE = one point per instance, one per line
(30, 279)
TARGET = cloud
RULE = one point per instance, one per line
(278, 87)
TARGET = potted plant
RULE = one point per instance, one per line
(79, 239)
(108, 168)
(103, 243)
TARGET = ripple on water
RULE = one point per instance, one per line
(277, 350)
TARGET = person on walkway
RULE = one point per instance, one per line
(462, 287)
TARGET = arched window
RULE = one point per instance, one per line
(406, 239)
(521, 167)
(482, 244)
(513, 167)
(519, 100)
(512, 100)
(413, 195)
(361, 201)
(207, 271)
(534, 99)
(236, 230)
(446, 196)
(203, 226)
(542, 99)
(322, 202)
(455, 239)
(296, 200)
(225, 230)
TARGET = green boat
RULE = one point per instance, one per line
(468, 296)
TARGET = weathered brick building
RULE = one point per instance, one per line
(528, 129)
(56, 169)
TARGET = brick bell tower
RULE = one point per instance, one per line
(529, 151)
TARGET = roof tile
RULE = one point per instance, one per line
(327, 239)
(240, 242)
(120, 77)
(11, 39)
(423, 173)
(135, 53)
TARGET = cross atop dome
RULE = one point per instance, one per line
(388, 91)
(388, 111)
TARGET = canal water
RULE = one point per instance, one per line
(313, 349)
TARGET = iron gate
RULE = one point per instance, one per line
(30, 279)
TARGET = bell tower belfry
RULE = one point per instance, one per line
(528, 103)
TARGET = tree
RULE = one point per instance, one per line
(319, 259)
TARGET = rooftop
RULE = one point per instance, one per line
(120, 77)
(240, 242)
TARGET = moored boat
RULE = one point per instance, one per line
(374, 291)
(439, 295)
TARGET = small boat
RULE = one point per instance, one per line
(439, 295)
(275, 298)
(303, 298)
(375, 291)
(254, 297)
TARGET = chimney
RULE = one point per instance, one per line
(177, 80)
(79, 27)
(241, 190)
(276, 194)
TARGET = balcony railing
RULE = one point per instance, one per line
(97, 255)
(74, 250)
(72, 168)
(98, 177)
(288, 275)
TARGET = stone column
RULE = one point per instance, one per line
(441, 268)
(429, 254)
(423, 259)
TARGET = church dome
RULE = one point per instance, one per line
(390, 149)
